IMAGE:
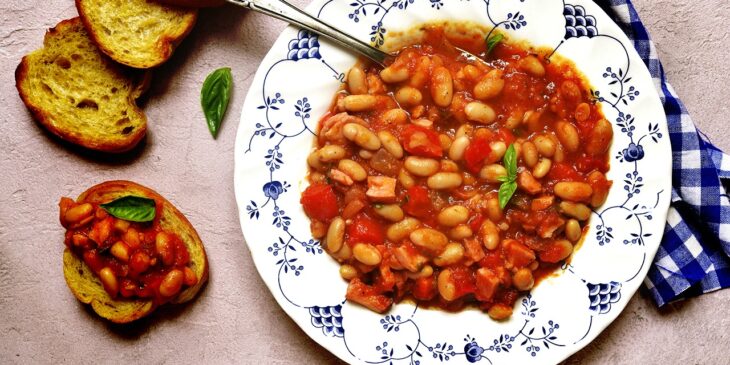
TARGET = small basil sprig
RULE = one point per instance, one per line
(131, 208)
(509, 182)
(214, 97)
(493, 41)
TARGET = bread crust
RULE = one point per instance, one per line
(87, 287)
(140, 80)
(164, 48)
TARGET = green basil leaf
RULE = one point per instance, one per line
(131, 208)
(506, 191)
(510, 162)
(493, 41)
(503, 179)
(214, 97)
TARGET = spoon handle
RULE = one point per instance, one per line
(283, 10)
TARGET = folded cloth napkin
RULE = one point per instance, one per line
(694, 256)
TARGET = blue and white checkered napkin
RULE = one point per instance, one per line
(694, 256)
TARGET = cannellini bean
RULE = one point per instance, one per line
(442, 87)
(533, 66)
(405, 179)
(600, 188)
(426, 271)
(172, 283)
(528, 183)
(573, 191)
(367, 254)
(498, 149)
(391, 144)
(489, 234)
(452, 254)
(445, 141)
(335, 235)
(357, 81)
(458, 147)
(545, 145)
(572, 230)
(480, 112)
(460, 232)
(391, 212)
(490, 86)
(582, 112)
(423, 122)
(445, 181)
(513, 120)
(578, 211)
(429, 239)
(559, 155)
(408, 96)
(331, 153)
(421, 166)
(164, 247)
(362, 136)
(395, 117)
(348, 272)
(365, 154)
(600, 138)
(120, 250)
(359, 103)
(523, 279)
(400, 230)
(78, 213)
(190, 277)
(529, 154)
(109, 280)
(345, 253)
(445, 285)
(120, 225)
(465, 130)
(494, 211)
(314, 162)
(492, 173)
(132, 238)
(499, 312)
(568, 135)
(542, 168)
(394, 74)
(352, 169)
(453, 216)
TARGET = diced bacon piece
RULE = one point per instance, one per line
(341, 177)
(487, 284)
(381, 189)
(517, 254)
(366, 296)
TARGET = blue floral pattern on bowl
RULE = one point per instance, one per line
(294, 87)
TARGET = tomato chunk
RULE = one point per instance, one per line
(320, 202)
(418, 203)
(475, 154)
(421, 141)
(365, 230)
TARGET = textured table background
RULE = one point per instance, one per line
(235, 319)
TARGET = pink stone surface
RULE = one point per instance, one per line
(235, 319)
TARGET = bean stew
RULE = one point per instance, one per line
(453, 182)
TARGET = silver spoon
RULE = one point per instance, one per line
(287, 12)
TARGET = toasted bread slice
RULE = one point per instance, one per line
(136, 33)
(87, 287)
(79, 94)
